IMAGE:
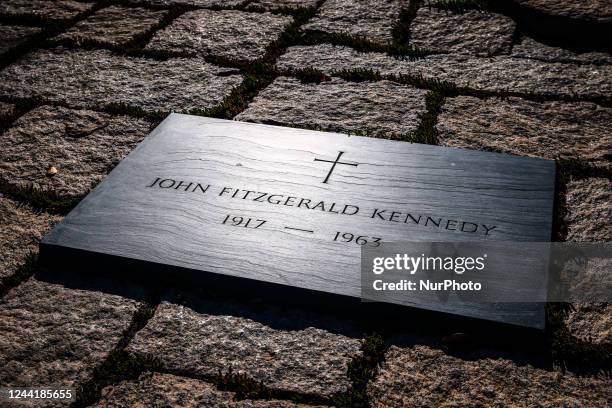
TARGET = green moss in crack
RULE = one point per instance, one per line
(361, 370)
(426, 132)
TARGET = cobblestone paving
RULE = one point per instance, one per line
(43, 9)
(114, 25)
(229, 33)
(81, 82)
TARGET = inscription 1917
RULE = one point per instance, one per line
(292, 207)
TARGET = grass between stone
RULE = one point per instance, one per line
(361, 371)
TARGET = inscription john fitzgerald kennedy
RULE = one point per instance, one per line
(378, 214)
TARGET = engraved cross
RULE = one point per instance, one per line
(337, 161)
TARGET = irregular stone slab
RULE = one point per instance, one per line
(12, 35)
(82, 145)
(229, 33)
(530, 48)
(590, 10)
(114, 25)
(470, 32)
(154, 389)
(99, 77)
(22, 229)
(52, 335)
(513, 125)
(589, 210)
(308, 361)
(277, 4)
(44, 9)
(423, 377)
(359, 18)
(500, 73)
(384, 108)
(198, 3)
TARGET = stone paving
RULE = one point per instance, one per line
(82, 82)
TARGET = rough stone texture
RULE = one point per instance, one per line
(383, 108)
(591, 323)
(166, 390)
(276, 4)
(309, 360)
(44, 9)
(114, 25)
(471, 32)
(592, 10)
(229, 33)
(21, 229)
(12, 35)
(82, 145)
(52, 335)
(551, 130)
(423, 377)
(197, 3)
(500, 73)
(359, 18)
(589, 210)
(98, 77)
(530, 48)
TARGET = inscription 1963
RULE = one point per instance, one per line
(292, 207)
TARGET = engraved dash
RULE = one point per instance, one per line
(300, 229)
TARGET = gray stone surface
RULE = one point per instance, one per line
(424, 377)
(166, 390)
(197, 3)
(590, 10)
(591, 322)
(471, 32)
(310, 360)
(21, 230)
(500, 73)
(99, 77)
(114, 25)
(578, 130)
(229, 33)
(52, 335)
(44, 9)
(13, 35)
(373, 21)
(589, 210)
(276, 4)
(82, 145)
(530, 48)
(384, 108)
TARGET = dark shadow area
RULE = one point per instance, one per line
(288, 308)
(559, 31)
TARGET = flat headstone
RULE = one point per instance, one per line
(267, 205)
